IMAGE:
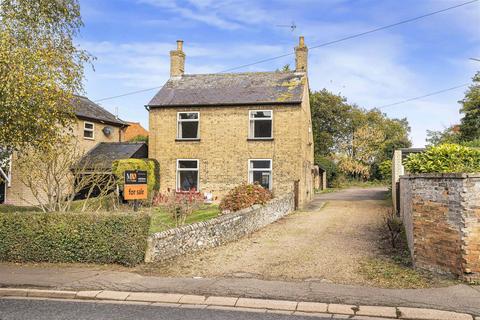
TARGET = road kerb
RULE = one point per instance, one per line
(387, 312)
(192, 299)
(113, 295)
(155, 297)
(429, 314)
(312, 314)
(341, 309)
(221, 301)
(51, 294)
(223, 308)
(13, 292)
(312, 307)
(87, 295)
(335, 311)
(266, 304)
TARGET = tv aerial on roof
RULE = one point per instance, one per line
(292, 26)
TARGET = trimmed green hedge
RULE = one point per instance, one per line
(73, 237)
(150, 165)
(445, 158)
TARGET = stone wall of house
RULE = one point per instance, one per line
(20, 195)
(441, 214)
(224, 149)
(207, 234)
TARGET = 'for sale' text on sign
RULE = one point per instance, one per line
(135, 185)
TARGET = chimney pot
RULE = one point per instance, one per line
(301, 42)
(179, 45)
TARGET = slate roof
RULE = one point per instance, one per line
(231, 89)
(104, 153)
(87, 109)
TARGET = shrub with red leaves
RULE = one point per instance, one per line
(179, 205)
(244, 196)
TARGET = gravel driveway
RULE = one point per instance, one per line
(323, 242)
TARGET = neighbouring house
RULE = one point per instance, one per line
(398, 170)
(135, 130)
(212, 132)
(93, 124)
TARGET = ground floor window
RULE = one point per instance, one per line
(260, 171)
(187, 175)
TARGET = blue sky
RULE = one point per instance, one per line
(131, 40)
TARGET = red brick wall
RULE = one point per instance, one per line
(441, 214)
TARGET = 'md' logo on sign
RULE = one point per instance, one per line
(135, 185)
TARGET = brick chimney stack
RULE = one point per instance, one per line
(301, 56)
(177, 60)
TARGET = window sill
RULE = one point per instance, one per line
(260, 139)
(187, 140)
(187, 192)
(88, 138)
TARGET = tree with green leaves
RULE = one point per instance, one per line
(331, 121)
(470, 123)
(358, 140)
(40, 70)
(447, 135)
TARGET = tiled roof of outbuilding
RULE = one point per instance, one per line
(87, 109)
(104, 153)
(232, 89)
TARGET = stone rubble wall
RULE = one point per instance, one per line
(441, 214)
(212, 233)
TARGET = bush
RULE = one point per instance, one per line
(179, 205)
(394, 225)
(73, 237)
(244, 196)
(385, 169)
(150, 165)
(445, 158)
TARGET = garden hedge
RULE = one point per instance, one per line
(445, 158)
(73, 237)
(150, 165)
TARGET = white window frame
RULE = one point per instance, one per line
(188, 120)
(251, 170)
(177, 175)
(7, 176)
(92, 130)
(251, 133)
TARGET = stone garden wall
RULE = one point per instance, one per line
(207, 234)
(441, 214)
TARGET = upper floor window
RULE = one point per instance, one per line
(89, 130)
(188, 125)
(261, 124)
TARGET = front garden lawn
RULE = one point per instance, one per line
(161, 220)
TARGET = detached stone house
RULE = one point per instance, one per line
(93, 125)
(212, 132)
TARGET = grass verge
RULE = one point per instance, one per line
(393, 267)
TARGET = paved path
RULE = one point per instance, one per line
(316, 244)
(23, 309)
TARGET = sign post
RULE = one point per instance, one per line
(135, 186)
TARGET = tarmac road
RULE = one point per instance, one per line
(28, 309)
